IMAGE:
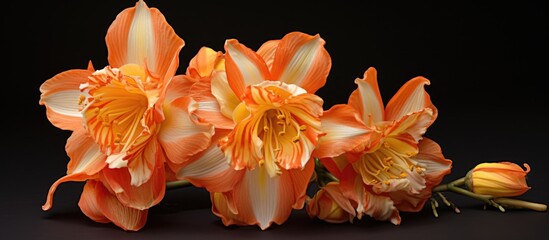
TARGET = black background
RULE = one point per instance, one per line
(486, 62)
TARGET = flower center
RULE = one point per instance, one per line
(117, 113)
(277, 126)
(385, 167)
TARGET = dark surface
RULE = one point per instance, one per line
(487, 65)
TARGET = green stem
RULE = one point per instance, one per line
(177, 184)
(520, 204)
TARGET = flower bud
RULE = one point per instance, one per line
(503, 179)
(330, 205)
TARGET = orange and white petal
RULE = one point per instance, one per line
(85, 155)
(88, 202)
(180, 86)
(410, 98)
(141, 35)
(344, 131)
(181, 135)
(411, 128)
(380, 208)
(140, 197)
(226, 98)
(262, 200)
(430, 158)
(204, 62)
(86, 161)
(97, 200)
(367, 98)
(301, 59)
(244, 67)
(211, 169)
(330, 205)
(62, 97)
(435, 166)
(142, 165)
(267, 52)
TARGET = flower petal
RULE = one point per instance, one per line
(180, 86)
(141, 35)
(181, 135)
(261, 200)
(88, 202)
(226, 99)
(86, 161)
(140, 197)
(61, 95)
(380, 208)
(367, 98)
(211, 169)
(435, 167)
(96, 199)
(267, 52)
(243, 66)
(301, 59)
(204, 63)
(344, 132)
(410, 98)
(413, 125)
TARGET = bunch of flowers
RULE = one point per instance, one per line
(247, 126)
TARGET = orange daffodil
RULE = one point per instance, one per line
(379, 154)
(126, 122)
(267, 120)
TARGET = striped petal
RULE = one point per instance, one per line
(62, 97)
(367, 98)
(344, 130)
(181, 135)
(86, 161)
(262, 200)
(243, 66)
(436, 167)
(140, 197)
(267, 52)
(302, 60)
(410, 98)
(219, 110)
(102, 206)
(211, 169)
(141, 35)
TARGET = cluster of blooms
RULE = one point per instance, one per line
(247, 126)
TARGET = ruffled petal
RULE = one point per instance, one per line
(62, 97)
(205, 62)
(181, 135)
(102, 206)
(380, 208)
(140, 197)
(141, 35)
(367, 98)
(410, 98)
(413, 125)
(435, 166)
(180, 86)
(211, 169)
(243, 66)
(344, 131)
(220, 114)
(86, 161)
(301, 59)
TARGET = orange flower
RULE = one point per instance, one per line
(503, 179)
(126, 122)
(330, 205)
(378, 153)
(265, 101)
